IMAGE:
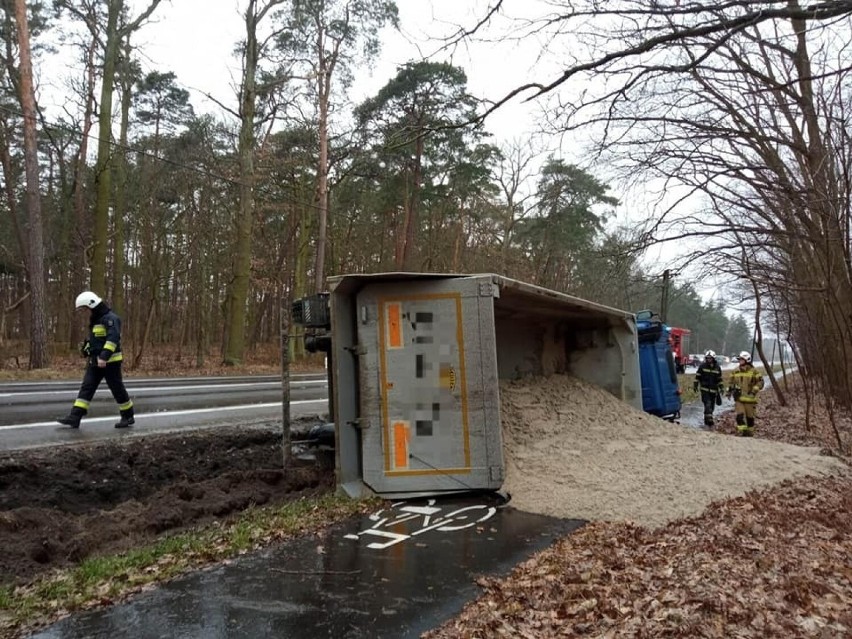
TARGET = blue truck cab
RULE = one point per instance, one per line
(660, 391)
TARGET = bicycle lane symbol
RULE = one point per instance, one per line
(459, 519)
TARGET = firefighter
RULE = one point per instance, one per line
(744, 385)
(708, 379)
(102, 351)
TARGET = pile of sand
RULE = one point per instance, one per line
(574, 450)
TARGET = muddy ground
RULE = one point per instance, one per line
(61, 505)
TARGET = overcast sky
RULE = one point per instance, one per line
(195, 39)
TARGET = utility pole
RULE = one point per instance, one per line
(664, 301)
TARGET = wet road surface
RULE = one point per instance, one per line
(28, 409)
(692, 414)
(27, 402)
(395, 574)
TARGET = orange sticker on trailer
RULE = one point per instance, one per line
(401, 434)
(394, 323)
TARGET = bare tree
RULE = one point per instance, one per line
(35, 231)
(335, 31)
(737, 110)
(111, 34)
(513, 176)
(253, 48)
(77, 240)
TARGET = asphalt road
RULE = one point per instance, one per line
(28, 409)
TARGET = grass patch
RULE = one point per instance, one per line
(99, 580)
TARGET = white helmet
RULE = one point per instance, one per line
(745, 356)
(710, 354)
(87, 299)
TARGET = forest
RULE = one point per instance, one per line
(200, 229)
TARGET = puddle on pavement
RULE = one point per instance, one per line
(692, 414)
(395, 573)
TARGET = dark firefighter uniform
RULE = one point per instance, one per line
(708, 380)
(744, 385)
(104, 343)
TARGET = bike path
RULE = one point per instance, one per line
(395, 573)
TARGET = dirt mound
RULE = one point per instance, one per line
(574, 450)
(79, 479)
(61, 505)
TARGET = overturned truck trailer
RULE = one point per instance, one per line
(416, 365)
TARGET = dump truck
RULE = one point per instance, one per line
(661, 394)
(416, 361)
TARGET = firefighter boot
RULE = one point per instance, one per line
(126, 419)
(708, 419)
(741, 426)
(749, 428)
(73, 418)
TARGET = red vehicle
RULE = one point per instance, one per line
(679, 339)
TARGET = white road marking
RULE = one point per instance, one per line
(134, 389)
(149, 380)
(169, 413)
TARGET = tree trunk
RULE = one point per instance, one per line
(117, 297)
(298, 285)
(10, 181)
(285, 377)
(146, 333)
(78, 244)
(35, 236)
(103, 164)
(240, 281)
(324, 82)
(758, 341)
(413, 209)
(198, 299)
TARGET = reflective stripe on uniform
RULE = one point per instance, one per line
(110, 346)
(748, 382)
(99, 330)
(81, 403)
(126, 405)
(115, 358)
